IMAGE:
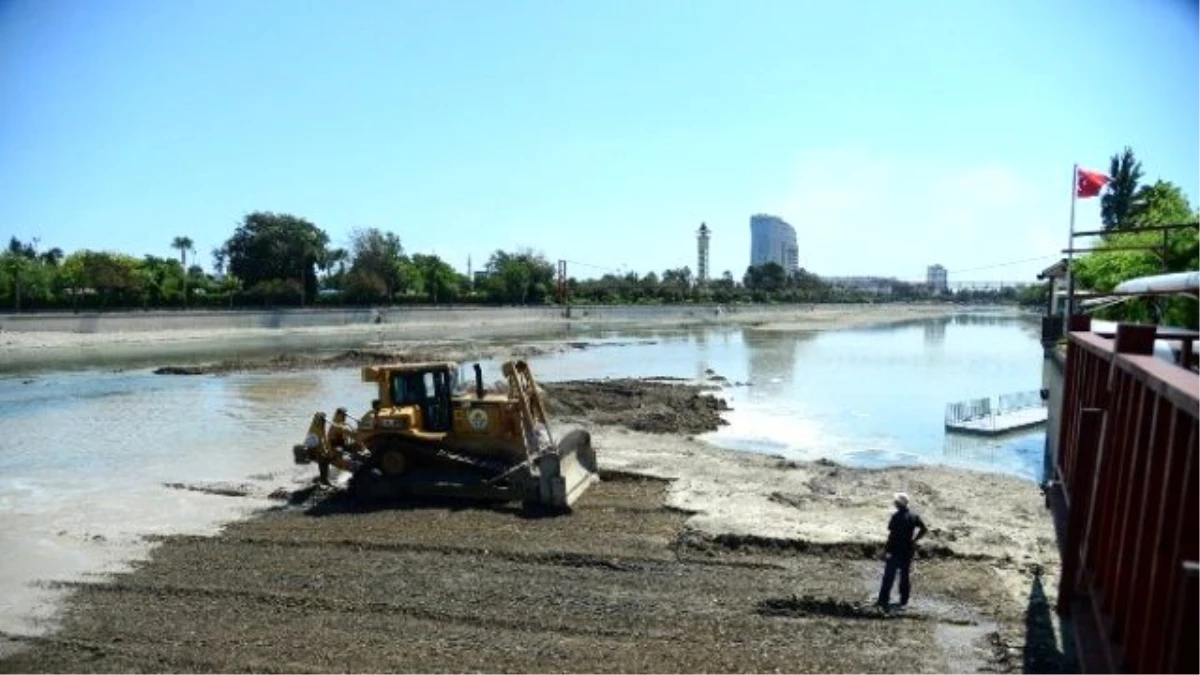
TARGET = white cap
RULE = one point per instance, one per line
(900, 499)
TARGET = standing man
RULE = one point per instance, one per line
(899, 551)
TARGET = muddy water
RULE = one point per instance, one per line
(93, 461)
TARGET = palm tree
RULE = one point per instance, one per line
(1120, 202)
(333, 258)
(183, 245)
(219, 257)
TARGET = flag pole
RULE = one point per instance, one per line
(1070, 250)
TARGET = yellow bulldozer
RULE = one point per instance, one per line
(427, 434)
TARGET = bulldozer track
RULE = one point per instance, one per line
(555, 558)
(312, 603)
(152, 655)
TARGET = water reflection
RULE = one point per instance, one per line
(700, 339)
(935, 332)
(771, 358)
(985, 319)
(268, 392)
(1017, 453)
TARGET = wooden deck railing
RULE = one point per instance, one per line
(1127, 470)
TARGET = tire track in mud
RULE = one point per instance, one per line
(554, 558)
(94, 650)
(740, 543)
(309, 603)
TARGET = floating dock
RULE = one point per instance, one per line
(1012, 412)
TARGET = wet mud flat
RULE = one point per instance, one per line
(658, 569)
(319, 584)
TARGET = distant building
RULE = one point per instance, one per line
(872, 285)
(702, 254)
(773, 240)
(935, 278)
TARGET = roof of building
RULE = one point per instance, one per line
(1058, 269)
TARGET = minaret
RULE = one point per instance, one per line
(702, 254)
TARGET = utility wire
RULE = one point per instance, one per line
(1003, 264)
(598, 267)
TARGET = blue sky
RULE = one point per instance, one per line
(891, 134)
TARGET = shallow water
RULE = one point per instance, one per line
(87, 455)
(867, 397)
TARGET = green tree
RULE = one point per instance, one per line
(276, 254)
(809, 287)
(184, 245)
(376, 268)
(230, 286)
(22, 249)
(219, 257)
(1172, 251)
(768, 277)
(1162, 203)
(14, 273)
(113, 277)
(1119, 203)
(650, 286)
(334, 260)
(438, 279)
(162, 280)
(676, 284)
(52, 257)
(27, 277)
(519, 278)
(15, 265)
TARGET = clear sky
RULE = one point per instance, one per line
(891, 134)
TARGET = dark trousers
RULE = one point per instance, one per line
(895, 563)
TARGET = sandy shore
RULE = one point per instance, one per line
(685, 558)
(29, 349)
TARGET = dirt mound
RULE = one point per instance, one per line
(810, 606)
(290, 362)
(743, 543)
(352, 358)
(640, 404)
(180, 370)
(700, 542)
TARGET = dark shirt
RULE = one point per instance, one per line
(901, 527)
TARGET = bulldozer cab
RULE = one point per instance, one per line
(427, 387)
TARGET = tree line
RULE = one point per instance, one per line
(277, 259)
(1128, 250)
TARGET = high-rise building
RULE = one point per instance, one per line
(773, 240)
(935, 278)
(702, 254)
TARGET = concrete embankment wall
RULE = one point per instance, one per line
(1052, 381)
(123, 322)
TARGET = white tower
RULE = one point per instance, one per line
(702, 254)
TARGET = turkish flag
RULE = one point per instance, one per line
(1088, 183)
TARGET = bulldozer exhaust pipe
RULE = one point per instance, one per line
(478, 381)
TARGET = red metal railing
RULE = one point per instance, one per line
(1127, 469)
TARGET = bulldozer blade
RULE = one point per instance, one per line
(566, 473)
